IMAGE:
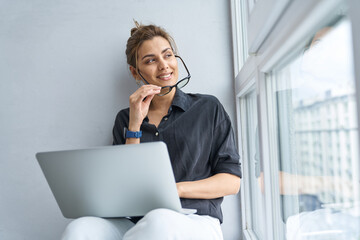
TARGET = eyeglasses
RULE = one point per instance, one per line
(180, 84)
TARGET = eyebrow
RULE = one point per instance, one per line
(152, 55)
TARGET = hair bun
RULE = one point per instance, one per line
(133, 30)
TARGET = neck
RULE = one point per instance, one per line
(162, 103)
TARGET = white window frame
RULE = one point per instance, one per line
(247, 80)
(245, 189)
(295, 21)
(355, 22)
(239, 20)
(261, 20)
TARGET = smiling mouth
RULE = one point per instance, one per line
(166, 76)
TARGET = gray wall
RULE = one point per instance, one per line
(63, 78)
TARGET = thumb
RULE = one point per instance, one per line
(148, 99)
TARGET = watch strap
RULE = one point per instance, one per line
(131, 134)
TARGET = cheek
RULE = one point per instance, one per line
(175, 66)
(148, 71)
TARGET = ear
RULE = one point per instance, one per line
(134, 72)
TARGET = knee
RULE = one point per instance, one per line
(160, 218)
(157, 224)
(90, 228)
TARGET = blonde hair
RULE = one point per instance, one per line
(142, 33)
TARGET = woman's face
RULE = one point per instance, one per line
(157, 62)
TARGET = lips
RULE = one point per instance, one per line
(165, 76)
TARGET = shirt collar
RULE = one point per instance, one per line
(181, 100)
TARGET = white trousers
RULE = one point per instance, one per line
(158, 224)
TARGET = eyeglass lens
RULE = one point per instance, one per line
(167, 89)
(182, 83)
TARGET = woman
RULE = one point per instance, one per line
(199, 137)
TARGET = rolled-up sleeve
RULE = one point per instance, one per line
(225, 157)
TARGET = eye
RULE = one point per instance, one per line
(168, 55)
(150, 60)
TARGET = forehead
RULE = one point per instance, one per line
(153, 46)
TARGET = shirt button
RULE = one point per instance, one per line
(166, 119)
(157, 134)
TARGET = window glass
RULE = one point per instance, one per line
(254, 167)
(318, 138)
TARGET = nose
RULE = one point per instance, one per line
(163, 64)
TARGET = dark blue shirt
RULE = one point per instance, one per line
(200, 140)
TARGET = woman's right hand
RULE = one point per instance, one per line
(139, 105)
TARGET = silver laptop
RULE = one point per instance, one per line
(112, 181)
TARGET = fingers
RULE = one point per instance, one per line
(143, 92)
(148, 99)
(140, 102)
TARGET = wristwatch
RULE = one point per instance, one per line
(131, 134)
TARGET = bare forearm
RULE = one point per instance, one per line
(132, 141)
(219, 185)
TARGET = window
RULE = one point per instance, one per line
(321, 74)
(253, 182)
(239, 18)
(300, 88)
